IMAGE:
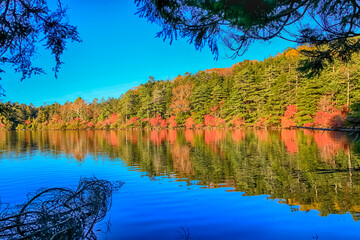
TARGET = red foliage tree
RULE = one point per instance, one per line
(189, 122)
(331, 117)
(56, 118)
(261, 122)
(212, 121)
(133, 121)
(90, 125)
(171, 121)
(158, 121)
(328, 115)
(288, 119)
(311, 124)
(209, 120)
(106, 123)
(113, 118)
(237, 121)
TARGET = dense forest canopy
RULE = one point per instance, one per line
(270, 93)
(329, 26)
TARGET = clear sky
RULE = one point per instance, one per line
(119, 51)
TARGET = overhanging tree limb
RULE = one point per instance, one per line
(328, 25)
(24, 25)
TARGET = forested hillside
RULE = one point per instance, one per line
(270, 93)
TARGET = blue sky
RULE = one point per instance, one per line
(119, 51)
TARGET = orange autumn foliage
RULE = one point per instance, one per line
(261, 122)
(189, 122)
(158, 121)
(171, 121)
(133, 122)
(237, 121)
(288, 119)
(180, 98)
(212, 121)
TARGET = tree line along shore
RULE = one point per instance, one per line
(269, 93)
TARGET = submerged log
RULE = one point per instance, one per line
(330, 129)
(59, 213)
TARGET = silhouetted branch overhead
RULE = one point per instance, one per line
(26, 23)
(330, 26)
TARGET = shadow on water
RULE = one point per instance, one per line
(310, 169)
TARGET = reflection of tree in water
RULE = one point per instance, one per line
(288, 136)
(329, 144)
(189, 136)
(181, 158)
(238, 135)
(214, 136)
(261, 134)
(172, 136)
(158, 136)
(314, 170)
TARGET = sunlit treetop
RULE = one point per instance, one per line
(28, 24)
(330, 27)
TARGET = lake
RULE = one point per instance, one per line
(212, 184)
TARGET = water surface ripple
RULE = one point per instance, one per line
(217, 184)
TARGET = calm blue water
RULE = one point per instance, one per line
(203, 185)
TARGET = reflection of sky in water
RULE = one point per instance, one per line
(166, 173)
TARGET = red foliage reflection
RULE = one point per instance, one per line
(113, 139)
(172, 136)
(189, 136)
(214, 136)
(261, 134)
(329, 143)
(288, 136)
(158, 137)
(238, 135)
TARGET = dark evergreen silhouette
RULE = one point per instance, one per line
(331, 27)
(27, 24)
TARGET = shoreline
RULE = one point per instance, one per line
(202, 128)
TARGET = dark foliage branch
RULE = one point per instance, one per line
(331, 27)
(25, 23)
